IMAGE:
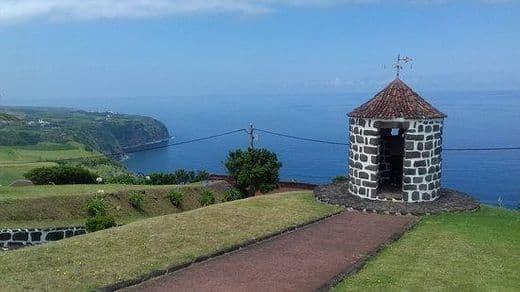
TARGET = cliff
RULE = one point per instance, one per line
(107, 132)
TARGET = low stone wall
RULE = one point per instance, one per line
(16, 238)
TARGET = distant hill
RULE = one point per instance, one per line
(7, 117)
(106, 132)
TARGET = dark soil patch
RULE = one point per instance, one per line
(449, 201)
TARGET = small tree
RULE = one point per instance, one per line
(254, 170)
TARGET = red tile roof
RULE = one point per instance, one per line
(397, 100)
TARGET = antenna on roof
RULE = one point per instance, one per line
(399, 64)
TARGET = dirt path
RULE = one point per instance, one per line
(303, 260)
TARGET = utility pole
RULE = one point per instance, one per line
(251, 136)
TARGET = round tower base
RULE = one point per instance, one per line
(448, 201)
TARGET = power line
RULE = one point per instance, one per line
(346, 144)
(481, 149)
(301, 138)
(205, 138)
(157, 146)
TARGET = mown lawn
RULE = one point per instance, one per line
(104, 257)
(452, 252)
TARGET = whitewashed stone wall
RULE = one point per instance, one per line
(16, 238)
(422, 163)
(363, 158)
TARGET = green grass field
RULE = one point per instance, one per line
(449, 252)
(12, 171)
(17, 160)
(43, 152)
(65, 205)
(101, 258)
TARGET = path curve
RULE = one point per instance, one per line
(303, 260)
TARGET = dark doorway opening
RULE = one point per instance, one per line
(391, 164)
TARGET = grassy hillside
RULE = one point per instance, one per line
(12, 171)
(43, 152)
(48, 206)
(104, 131)
(104, 257)
(451, 252)
(17, 160)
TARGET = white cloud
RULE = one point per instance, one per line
(24, 10)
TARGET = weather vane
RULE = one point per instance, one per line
(399, 64)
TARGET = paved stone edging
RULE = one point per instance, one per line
(21, 237)
(171, 269)
(355, 268)
(448, 201)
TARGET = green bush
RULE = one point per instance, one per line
(60, 175)
(201, 175)
(180, 176)
(136, 199)
(100, 222)
(176, 198)
(339, 179)
(206, 198)
(233, 195)
(96, 206)
(254, 170)
(126, 179)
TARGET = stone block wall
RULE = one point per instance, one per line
(16, 238)
(422, 161)
(363, 158)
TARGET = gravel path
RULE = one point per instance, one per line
(303, 260)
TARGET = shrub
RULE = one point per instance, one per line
(201, 175)
(126, 179)
(206, 198)
(100, 222)
(339, 179)
(176, 198)
(254, 170)
(233, 195)
(136, 199)
(96, 206)
(61, 175)
(180, 176)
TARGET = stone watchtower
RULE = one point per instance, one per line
(395, 147)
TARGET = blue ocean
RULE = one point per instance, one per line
(475, 120)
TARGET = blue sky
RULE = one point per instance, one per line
(57, 49)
